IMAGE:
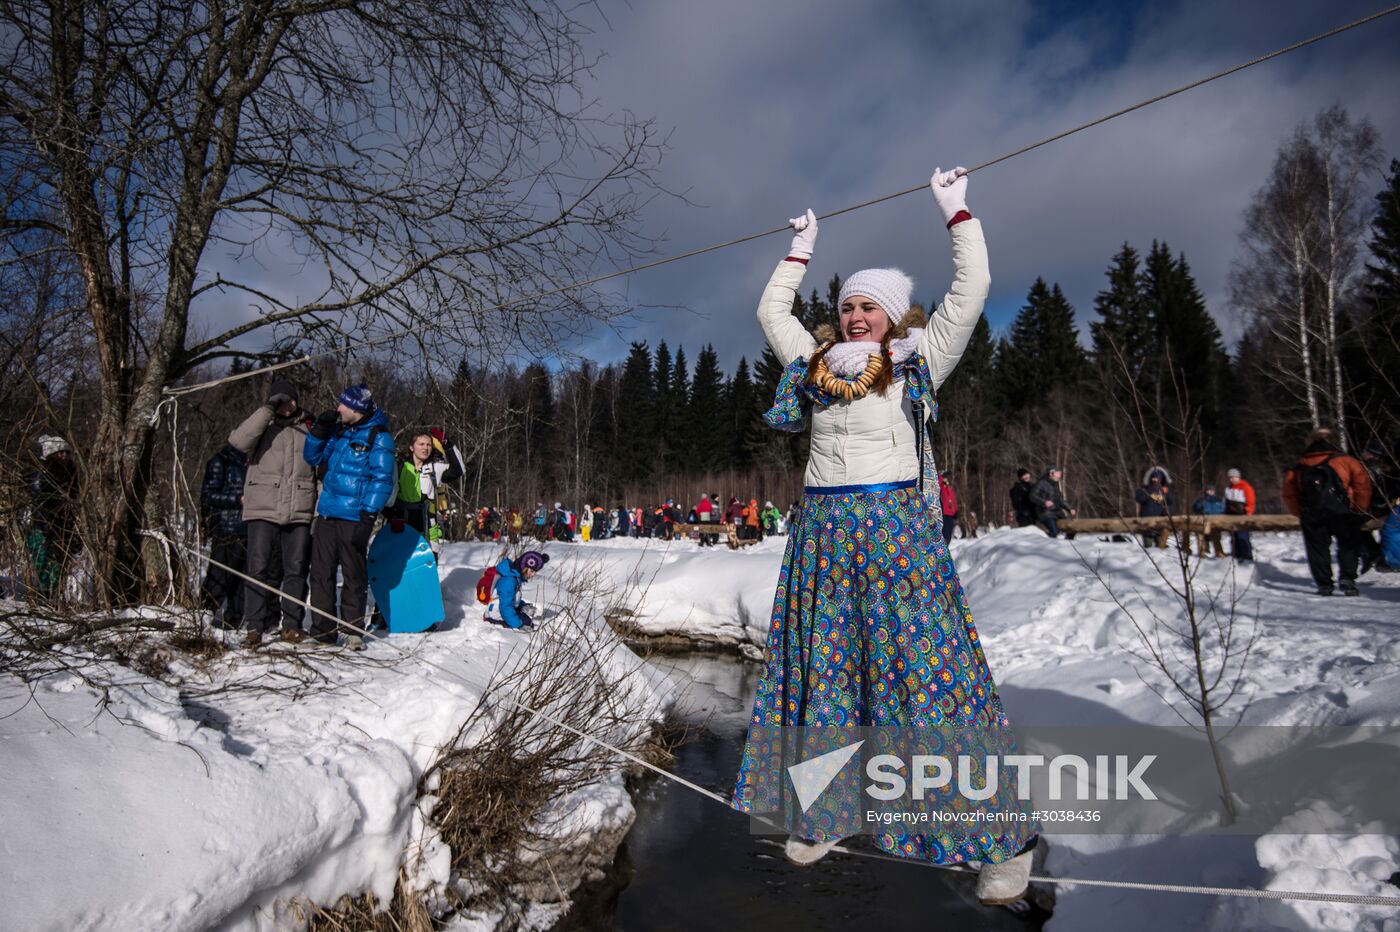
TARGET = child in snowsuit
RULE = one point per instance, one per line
(507, 606)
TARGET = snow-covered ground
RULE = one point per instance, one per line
(163, 811)
(1063, 653)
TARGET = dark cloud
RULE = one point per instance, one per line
(781, 105)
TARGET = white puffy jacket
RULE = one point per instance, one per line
(871, 439)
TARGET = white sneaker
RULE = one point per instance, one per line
(1004, 883)
(805, 853)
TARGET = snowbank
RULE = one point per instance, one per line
(709, 596)
(1062, 651)
(212, 807)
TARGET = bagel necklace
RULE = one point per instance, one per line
(847, 389)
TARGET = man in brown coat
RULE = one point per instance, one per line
(279, 500)
(1330, 493)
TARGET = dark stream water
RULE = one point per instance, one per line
(689, 864)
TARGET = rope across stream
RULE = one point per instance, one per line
(1302, 895)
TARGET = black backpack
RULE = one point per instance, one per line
(1321, 491)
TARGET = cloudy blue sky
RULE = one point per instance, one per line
(775, 106)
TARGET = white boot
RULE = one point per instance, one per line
(1004, 883)
(804, 853)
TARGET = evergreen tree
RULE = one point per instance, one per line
(1042, 350)
(604, 435)
(662, 409)
(704, 416)
(974, 382)
(1382, 286)
(1375, 373)
(634, 452)
(1189, 361)
(741, 403)
(676, 432)
(1122, 336)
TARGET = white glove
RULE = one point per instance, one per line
(806, 238)
(949, 192)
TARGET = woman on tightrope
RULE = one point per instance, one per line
(870, 626)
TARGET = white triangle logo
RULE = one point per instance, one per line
(815, 774)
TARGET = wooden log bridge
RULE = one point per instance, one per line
(729, 531)
(1188, 524)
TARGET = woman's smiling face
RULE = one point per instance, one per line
(863, 319)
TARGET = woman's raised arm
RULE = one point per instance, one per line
(951, 324)
(784, 332)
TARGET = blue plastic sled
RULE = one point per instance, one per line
(403, 576)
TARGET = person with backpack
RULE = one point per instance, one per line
(221, 507)
(501, 586)
(1330, 492)
(353, 443)
(279, 502)
(422, 471)
(1239, 500)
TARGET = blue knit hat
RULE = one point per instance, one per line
(358, 399)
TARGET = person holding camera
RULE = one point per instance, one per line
(279, 496)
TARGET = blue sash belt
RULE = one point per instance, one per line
(873, 489)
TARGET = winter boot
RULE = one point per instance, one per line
(293, 635)
(252, 639)
(1349, 587)
(805, 853)
(1006, 882)
(1324, 590)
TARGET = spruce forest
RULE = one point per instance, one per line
(1141, 377)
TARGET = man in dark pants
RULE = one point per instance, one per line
(1049, 500)
(1330, 493)
(355, 446)
(221, 500)
(279, 496)
(1022, 502)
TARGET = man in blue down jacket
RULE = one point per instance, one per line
(355, 446)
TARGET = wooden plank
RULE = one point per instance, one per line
(730, 531)
(1187, 524)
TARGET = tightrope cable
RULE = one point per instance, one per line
(1348, 898)
(656, 263)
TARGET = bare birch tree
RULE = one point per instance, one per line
(1302, 236)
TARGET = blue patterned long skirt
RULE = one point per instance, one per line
(870, 627)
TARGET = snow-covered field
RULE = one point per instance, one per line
(161, 813)
(166, 811)
(1063, 654)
